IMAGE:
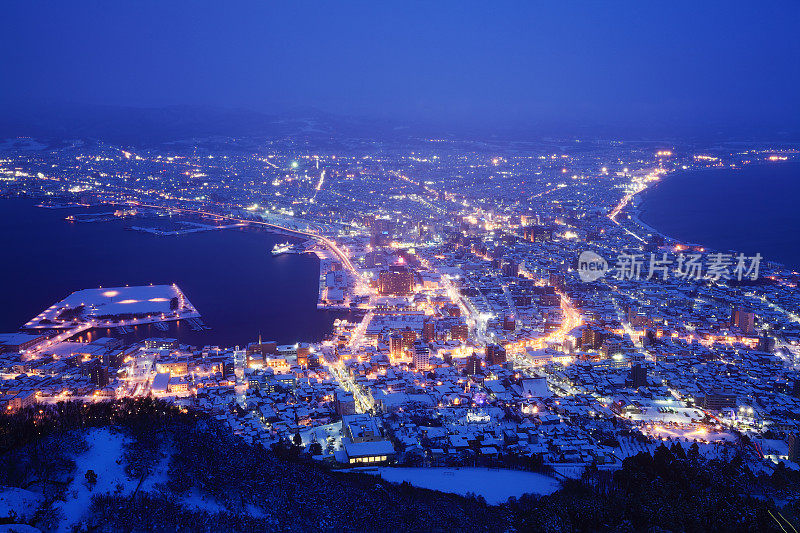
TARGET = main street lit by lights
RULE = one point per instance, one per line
(572, 320)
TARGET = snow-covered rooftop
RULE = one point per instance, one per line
(115, 301)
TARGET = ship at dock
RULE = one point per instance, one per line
(283, 248)
(289, 248)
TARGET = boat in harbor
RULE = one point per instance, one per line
(284, 248)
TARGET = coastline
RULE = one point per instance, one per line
(230, 276)
(636, 208)
(740, 209)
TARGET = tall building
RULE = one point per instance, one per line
(591, 338)
(428, 330)
(718, 401)
(361, 428)
(381, 231)
(409, 338)
(557, 280)
(452, 310)
(255, 360)
(459, 331)
(344, 402)
(421, 356)
(375, 258)
(473, 365)
(398, 281)
(262, 347)
(495, 354)
(510, 268)
(630, 312)
(99, 375)
(747, 322)
(114, 358)
(538, 233)
(637, 376)
(303, 351)
(743, 318)
(396, 345)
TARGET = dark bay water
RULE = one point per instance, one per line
(229, 275)
(752, 209)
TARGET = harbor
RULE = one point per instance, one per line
(119, 308)
(230, 276)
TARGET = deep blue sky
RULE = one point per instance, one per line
(595, 61)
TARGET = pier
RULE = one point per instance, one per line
(117, 308)
(195, 228)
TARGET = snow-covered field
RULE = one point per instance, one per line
(496, 486)
(691, 434)
(19, 502)
(105, 457)
(105, 448)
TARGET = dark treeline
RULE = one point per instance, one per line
(261, 489)
(281, 491)
(671, 490)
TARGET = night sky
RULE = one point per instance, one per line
(440, 61)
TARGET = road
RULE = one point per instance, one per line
(572, 319)
(621, 205)
(364, 402)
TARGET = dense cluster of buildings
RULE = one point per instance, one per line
(472, 336)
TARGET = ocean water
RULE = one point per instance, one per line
(752, 209)
(230, 276)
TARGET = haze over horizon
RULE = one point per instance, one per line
(685, 65)
(430, 265)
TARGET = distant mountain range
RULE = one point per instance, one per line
(156, 125)
(134, 125)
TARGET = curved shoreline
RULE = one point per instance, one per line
(638, 199)
(206, 265)
(699, 214)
